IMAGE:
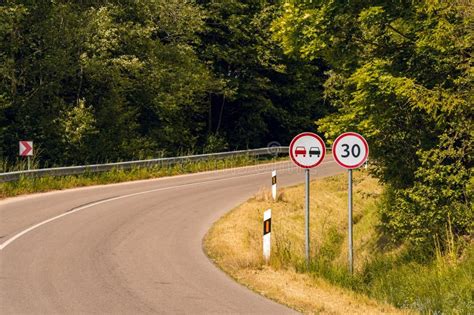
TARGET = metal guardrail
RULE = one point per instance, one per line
(164, 162)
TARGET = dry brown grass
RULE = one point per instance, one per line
(235, 244)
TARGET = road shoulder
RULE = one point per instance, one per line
(234, 245)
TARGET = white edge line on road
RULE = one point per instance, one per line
(34, 227)
(140, 181)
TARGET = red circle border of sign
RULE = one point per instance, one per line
(366, 145)
(314, 136)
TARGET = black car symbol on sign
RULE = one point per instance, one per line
(314, 151)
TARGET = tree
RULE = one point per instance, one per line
(132, 63)
(268, 96)
(400, 74)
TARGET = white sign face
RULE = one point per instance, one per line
(26, 148)
(307, 150)
(350, 150)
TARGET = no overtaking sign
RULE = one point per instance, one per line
(307, 150)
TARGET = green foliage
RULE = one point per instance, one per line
(438, 287)
(78, 127)
(268, 96)
(401, 74)
(215, 143)
(440, 193)
(157, 77)
(406, 278)
(131, 63)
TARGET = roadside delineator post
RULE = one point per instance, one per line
(267, 229)
(274, 185)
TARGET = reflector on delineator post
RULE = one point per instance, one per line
(267, 226)
(267, 229)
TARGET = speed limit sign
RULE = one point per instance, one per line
(350, 150)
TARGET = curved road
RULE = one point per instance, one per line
(129, 248)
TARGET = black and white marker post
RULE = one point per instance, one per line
(307, 150)
(274, 185)
(350, 150)
(267, 229)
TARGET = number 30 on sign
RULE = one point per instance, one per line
(350, 150)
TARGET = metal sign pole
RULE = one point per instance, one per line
(307, 150)
(307, 215)
(28, 162)
(350, 150)
(350, 221)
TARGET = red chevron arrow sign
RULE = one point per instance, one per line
(26, 148)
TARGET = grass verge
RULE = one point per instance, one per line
(26, 185)
(383, 282)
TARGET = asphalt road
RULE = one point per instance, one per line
(129, 248)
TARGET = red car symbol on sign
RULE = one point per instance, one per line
(300, 150)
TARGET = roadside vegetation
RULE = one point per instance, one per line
(392, 275)
(47, 183)
(97, 81)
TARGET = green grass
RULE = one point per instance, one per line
(234, 244)
(399, 276)
(439, 286)
(443, 284)
(26, 185)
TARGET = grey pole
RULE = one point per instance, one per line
(350, 222)
(28, 162)
(307, 216)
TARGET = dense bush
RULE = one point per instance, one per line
(401, 74)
